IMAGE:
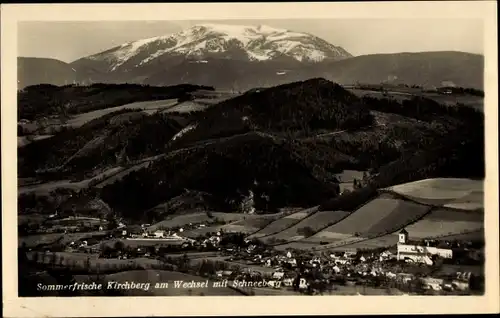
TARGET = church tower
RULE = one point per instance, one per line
(403, 237)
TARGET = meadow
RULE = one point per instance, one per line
(280, 224)
(461, 193)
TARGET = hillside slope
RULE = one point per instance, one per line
(35, 70)
(266, 149)
(423, 69)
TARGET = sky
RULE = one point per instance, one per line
(68, 41)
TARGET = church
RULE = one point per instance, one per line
(415, 252)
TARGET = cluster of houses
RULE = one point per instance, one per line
(409, 263)
(73, 225)
(405, 264)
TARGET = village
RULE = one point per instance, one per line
(410, 267)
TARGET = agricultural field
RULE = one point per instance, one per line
(160, 276)
(468, 236)
(404, 93)
(360, 221)
(77, 220)
(23, 140)
(250, 224)
(406, 212)
(299, 245)
(472, 201)
(441, 224)
(50, 238)
(281, 224)
(315, 222)
(134, 243)
(444, 222)
(452, 100)
(383, 215)
(459, 193)
(254, 223)
(201, 217)
(378, 242)
(81, 119)
(186, 107)
(46, 188)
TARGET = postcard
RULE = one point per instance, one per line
(234, 158)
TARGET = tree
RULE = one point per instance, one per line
(112, 222)
(53, 258)
(36, 256)
(365, 176)
(20, 130)
(119, 246)
(306, 231)
(185, 261)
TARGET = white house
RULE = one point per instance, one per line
(432, 283)
(159, 234)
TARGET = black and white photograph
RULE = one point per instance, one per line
(251, 157)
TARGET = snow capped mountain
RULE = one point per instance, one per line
(251, 43)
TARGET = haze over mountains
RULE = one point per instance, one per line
(243, 57)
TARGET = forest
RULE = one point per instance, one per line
(43, 100)
(265, 141)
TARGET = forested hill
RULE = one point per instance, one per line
(300, 108)
(284, 145)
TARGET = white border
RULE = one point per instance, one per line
(179, 306)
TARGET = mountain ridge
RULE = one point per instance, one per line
(243, 57)
(234, 41)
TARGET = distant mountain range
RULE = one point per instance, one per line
(33, 70)
(242, 57)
